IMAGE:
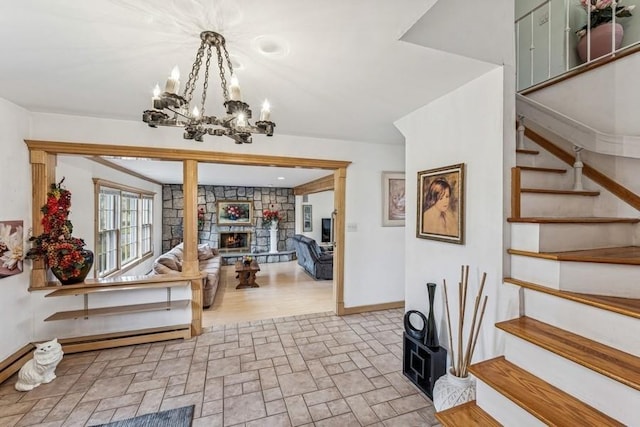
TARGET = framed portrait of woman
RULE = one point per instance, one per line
(441, 204)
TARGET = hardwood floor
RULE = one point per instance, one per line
(285, 290)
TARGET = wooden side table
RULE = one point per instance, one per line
(247, 274)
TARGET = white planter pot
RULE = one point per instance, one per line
(450, 391)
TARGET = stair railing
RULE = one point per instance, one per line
(547, 37)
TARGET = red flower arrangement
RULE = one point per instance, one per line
(269, 216)
(61, 252)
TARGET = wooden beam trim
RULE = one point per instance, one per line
(325, 183)
(515, 192)
(122, 169)
(86, 149)
(619, 190)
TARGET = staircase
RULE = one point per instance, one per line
(572, 358)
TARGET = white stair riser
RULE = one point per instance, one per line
(606, 327)
(584, 277)
(576, 380)
(554, 205)
(503, 410)
(547, 180)
(570, 237)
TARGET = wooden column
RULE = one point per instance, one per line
(339, 202)
(43, 174)
(190, 239)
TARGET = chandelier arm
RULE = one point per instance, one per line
(223, 80)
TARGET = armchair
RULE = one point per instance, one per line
(316, 262)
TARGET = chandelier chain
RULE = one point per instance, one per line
(223, 80)
(193, 75)
(206, 78)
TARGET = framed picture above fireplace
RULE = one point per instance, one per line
(235, 212)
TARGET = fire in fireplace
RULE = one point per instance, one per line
(235, 241)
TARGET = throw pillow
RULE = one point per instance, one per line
(204, 252)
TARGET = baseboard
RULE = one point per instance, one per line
(13, 363)
(372, 307)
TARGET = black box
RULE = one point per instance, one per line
(423, 365)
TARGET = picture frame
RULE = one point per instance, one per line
(440, 199)
(11, 248)
(307, 218)
(393, 199)
(234, 212)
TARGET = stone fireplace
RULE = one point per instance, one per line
(235, 241)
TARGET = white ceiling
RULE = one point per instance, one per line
(342, 72)
(168, 172)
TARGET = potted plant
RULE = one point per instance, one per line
(600, 14)
(457, 386)
(62, 253)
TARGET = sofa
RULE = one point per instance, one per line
(209, 262)
(315, 261)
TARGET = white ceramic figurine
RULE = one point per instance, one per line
(40, 369)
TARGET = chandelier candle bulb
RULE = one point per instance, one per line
(241, 121)
(234, 89)
(156, 96)
(195, 112)
(265, 113)
(173, 82)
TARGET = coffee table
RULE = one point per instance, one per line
(247, 274)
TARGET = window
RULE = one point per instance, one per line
(124, 227)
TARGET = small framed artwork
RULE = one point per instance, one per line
(11, 248)
(307, 219)
(235, 212)
(441, 204)
(393, 199)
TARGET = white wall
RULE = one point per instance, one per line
(433, 141)
(374, 256)
(15, 194)
(321, 207)
(605, 98)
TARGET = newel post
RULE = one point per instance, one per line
(520, 132)
(577, 169)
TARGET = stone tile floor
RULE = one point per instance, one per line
(309, 370)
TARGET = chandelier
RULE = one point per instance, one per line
(172, 109)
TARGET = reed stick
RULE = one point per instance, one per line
(477, 332)
(467, 356)
(460, 323)
(446, 304)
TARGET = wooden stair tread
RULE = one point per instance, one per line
(119, 309)
(575, 220)
(538, 169)
(523, 151)
(624, 306)
(608, 361)
(627, 255)
(549, 404)
(560, 192)
(466, 415)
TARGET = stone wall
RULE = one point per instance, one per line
(280, 199)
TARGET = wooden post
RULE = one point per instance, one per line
(340, 179)
(577, 170)
(515, 192)
(43, 174)
(190, 240)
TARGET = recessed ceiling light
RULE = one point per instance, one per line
(281, 178)
(272, 46)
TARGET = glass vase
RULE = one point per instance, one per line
(431, 333)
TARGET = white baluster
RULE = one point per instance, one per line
(520, 132)
(614, 6)
(577, 170)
